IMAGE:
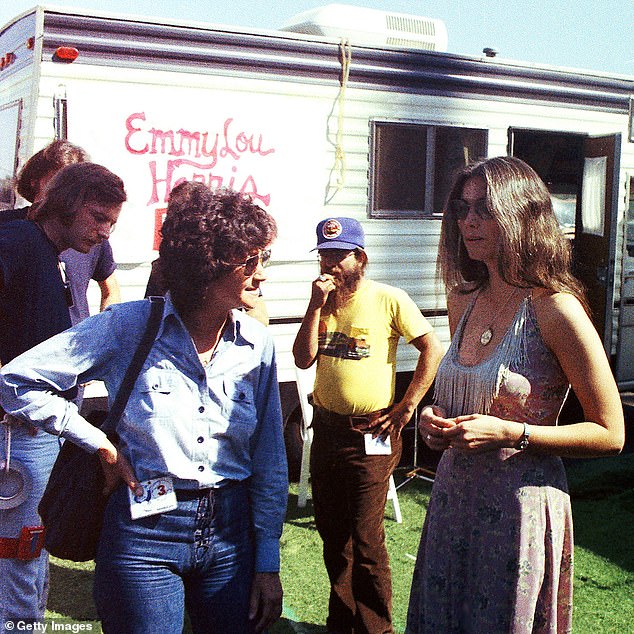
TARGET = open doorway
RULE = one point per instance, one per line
(580, 173)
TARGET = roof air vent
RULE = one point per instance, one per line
(371, 27)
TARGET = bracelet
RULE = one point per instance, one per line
(522, 443)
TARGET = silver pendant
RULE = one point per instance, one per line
(486, 336)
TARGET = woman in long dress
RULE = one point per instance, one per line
(496, 549)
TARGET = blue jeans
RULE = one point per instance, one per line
(199, 556)
(24, 584)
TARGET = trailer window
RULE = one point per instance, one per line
(413, 165)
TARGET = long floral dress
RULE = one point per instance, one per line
(496, 549)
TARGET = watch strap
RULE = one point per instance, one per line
(523, 442)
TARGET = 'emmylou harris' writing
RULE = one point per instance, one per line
(209, 157)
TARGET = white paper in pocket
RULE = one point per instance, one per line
(377, 446)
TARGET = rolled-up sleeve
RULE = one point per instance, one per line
(269, 481)
(32, 384)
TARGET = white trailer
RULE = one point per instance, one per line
(317, 123)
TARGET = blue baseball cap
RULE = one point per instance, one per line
(340, 233)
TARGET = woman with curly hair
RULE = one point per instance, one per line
(203, 420)
(496, 550)
(157, 282)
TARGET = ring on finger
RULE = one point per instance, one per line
(322, 278)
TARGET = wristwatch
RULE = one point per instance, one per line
(522, 443)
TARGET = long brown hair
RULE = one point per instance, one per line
(533, 250)
(47, 161)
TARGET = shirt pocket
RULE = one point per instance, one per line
(238, 404)
(161, 393)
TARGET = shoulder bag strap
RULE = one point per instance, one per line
(141, 353)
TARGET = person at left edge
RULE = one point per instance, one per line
(80, 207)
(204, 414)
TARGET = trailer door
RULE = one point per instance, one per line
(595, 233)
(624, 369)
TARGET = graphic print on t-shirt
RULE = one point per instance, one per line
(338, 344)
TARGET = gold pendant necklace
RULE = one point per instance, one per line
(487, 334)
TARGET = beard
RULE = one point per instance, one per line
(347, 284)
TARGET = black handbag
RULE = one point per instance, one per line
(73, 504)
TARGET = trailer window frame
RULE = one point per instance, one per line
(629, 220)
(11, 123)
(396, 180)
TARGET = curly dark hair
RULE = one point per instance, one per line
(534, 252)
(75, 186)
(47, 161)
(202, 232)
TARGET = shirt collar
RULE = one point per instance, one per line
(240, 328)
(169, 313)
(244, 327)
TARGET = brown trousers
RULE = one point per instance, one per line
(349, 494)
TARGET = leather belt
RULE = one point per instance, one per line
(360, 421)
(26, 547)
(192, 494)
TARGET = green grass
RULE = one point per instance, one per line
(603, 507)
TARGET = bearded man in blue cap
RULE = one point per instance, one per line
(351, 329)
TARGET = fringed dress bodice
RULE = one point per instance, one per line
(522, 375)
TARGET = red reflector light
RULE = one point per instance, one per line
(66, 54)
(7, 60)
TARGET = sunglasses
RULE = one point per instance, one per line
(252, 262)
(460, 209)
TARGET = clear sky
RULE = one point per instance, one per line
(586, 34)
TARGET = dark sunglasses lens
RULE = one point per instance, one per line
(459, 208)
(251, 265)
(482, 210)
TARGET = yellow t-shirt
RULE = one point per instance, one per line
(356, 366)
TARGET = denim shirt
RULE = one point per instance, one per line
(201, 426)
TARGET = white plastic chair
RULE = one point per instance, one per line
(392, 495)
(305, 380)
